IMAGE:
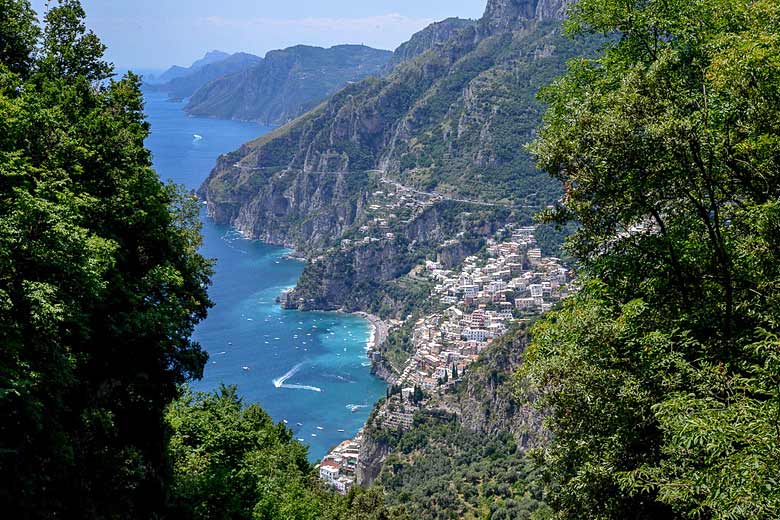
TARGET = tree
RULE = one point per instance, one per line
(231, 461)
(18, 35)
(70, 51)
(101, 283)
(417, 395)
(660, 376)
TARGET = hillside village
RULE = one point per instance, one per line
(510, 282)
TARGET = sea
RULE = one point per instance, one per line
(307, 369)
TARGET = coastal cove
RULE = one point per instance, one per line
(309, 369)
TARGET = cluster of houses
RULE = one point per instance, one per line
(393, 205)
(339, 467)
(512, 281)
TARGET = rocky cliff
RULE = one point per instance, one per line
(429, 38)
(445, 129)
(503, 15)
(286, 83)
(485, 400)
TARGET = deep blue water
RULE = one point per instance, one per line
(252, 343)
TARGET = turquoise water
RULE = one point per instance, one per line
(307, 368)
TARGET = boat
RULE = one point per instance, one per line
(320, 428)
(341, 431)
(246, 369)
(313, 434)
(299, 424)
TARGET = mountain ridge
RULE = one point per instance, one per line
(286, 83)
(443, 134)
(184, 85)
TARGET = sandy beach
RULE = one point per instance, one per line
(379, 330)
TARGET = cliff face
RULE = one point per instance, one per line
(429, 38)
(485, 400)
(303, 211)
(373, 453)
(502, 15)
(445, 129)
(286, 83)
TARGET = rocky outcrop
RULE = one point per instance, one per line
(373, 452)
(434, 35)
(504, 15)
(485, 400)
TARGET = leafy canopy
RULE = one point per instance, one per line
(100, 280)
(661, 376)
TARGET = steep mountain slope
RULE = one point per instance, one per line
(185, 85)
(390, 160)
(465, 453)
(286, 83)
(177, 72)
(433, 35)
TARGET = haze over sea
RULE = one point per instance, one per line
(307, 368)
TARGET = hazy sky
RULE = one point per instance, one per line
(158, 33)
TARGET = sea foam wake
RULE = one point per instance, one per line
(280, 382)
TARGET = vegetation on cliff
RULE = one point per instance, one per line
(286, 83)
(661, 376)
(440, 470)
(453, 119)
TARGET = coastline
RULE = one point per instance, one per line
(379, 330)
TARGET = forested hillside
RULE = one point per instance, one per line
(660, 378)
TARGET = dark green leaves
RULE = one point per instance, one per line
(656, 375)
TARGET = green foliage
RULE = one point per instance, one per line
(100, 280)
(70, 51)
(440, 470)
(18, 35)
(660, 377)
(231, 461)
